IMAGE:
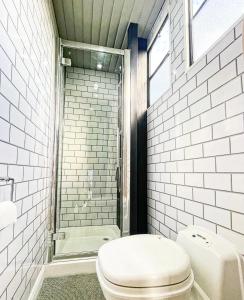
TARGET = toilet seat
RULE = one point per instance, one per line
(180, 291)
(144, 267)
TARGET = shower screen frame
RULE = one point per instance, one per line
(125, 117)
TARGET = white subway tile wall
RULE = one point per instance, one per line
(27, 66)
(195, 140)
(88, 162)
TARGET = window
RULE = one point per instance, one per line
(209, 20)
(159, 63)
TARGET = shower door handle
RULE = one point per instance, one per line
(117, 178)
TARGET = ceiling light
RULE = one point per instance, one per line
(99, 66)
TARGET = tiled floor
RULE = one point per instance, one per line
(76, 287)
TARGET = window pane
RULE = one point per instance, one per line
(160, 82)
(196, 5)
(215, 17)
(160, 48)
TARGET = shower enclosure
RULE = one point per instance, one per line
(91, 203)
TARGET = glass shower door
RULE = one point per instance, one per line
(89, 186)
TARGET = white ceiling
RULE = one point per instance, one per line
(105, 22)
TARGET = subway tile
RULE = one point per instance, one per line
(177, 178)
(200, 106)
(184, 191)
(171, 223)
(212, 68)
(235, 106)
(228, 127)
(180, 105)
(5, 107)
(17, 118)
(188, 87)
(185, 166)
(8, 90)
(230, 201)
(238, 222)
(6, 277)
(237, 143)
(223, 76)
(8, 153)
(5, 130)
(183, 141)
(3, 14)
(238, 29)
(230, 163)
(205, 165)
(206, 224)
(194, 151)
(227, 91)
(197, 94)
(6, 236)
(14, 247)
(237, 183)
(164, 230)
(191, 125)
(177, 202)
(240, 64)
(5, 63)
(159, 216)
(3, 260)
(194, 208)
(201, 135)
(217, 147)
(182, 116)
(17, 137)
(217, 215)
(177, 154)
(185, 218)
(214, 115)
(217, 181)
(194, 179)
(204, 195)
(18, 82)
(169, 189)
(15, 172)
(15, 282)
(231, 52)
(6, 42)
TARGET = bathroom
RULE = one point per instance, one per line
(121, 149)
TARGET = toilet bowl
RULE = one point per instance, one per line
(153, 267)
(156, 269)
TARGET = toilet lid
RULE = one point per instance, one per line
(143, 261)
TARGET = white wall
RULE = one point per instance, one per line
(27, 61)
(196, 140)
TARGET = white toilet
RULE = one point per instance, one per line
(200, 265)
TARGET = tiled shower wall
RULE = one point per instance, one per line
(88, 186)
(27, 61)
(196, 140)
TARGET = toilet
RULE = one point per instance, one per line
(200, 265)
